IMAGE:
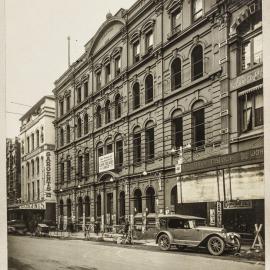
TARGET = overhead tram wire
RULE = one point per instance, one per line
(20, 104)
(14, 113)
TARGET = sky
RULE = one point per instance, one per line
(36, 46)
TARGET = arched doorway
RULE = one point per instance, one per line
(98, 207)
(61, 214)
(122, 207)
(150, 200)
(87, 209)
(137, 201)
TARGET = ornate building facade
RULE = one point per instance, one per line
(164, 83)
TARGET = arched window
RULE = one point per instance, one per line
(149, 141)
(37, 162)
(119, 153)
(61, 137)
(68, 134)
(150, 200)
(28, 170)
(62, 171)
(149, 89)
(137, 145)
(80, 207)
(117, 107)
(87, 206)
(197, 63)
(138, 201)
(61, 208)
(198, 124)
(79, 127)
(33, 167)
(136, 96)
(176, 74)
(37, 137)
(41, 135)
(99, 205)
(85, 123)
(174, 199)
(177, 129)
(69, 208)
(68, 169)
(122, 205)
(107, 112)
(80, 165)
(99, 118)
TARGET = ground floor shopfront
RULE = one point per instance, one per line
(230, 196)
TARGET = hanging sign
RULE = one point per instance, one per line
(179, 197)
(106, 162)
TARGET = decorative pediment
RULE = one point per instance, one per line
(116, 51)
(135, 36)
(173, 5)
(148, 26)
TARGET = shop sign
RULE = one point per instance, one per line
(40, 206)
(178, 168)
(219, 161)
(106, 162)
(219, 214)
(212, 217)
(48, 175)
(247, 78)
(237, 205)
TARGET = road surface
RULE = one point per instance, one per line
(26, 253)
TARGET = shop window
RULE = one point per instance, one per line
(117, 66)
(198, 128)
(176, 21)
(136, 52)
(68, 170)
(137, 147)
(107, 73)
(176, 74)
(251, 110)
(68, 134)
(61, 136)
(149, 89)
(98, 115)
(68, 103)
(61, 107)
(138, 201)
(85, 87)
(79, 94)
(98, 80)
(122, 205)
(80, 164)
(149, 41)
(117, 107)
(62, 172)
(107, 112)
(136, 96)
(150, 200)
(197, 9)
(197, 62)
(149, 142)
(79, 127)
(99, 205)
(119, 153)
(87, 206)
(80, 207)
(177, 131)
(68, 208)
(86, 164)
(85, 123)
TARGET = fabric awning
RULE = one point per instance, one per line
(252, 89)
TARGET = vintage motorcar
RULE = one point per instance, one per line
(189, 231)
(17, 227)
(42, 230)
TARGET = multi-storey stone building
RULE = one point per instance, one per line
(38, 162)
(13, 166)
(154, 78)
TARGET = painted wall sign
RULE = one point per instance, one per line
(106, 162)
(40, 206)
(237, 205)
(219, 214)
(247, 78)
(212, 217)
(219, 161)
(48, 175)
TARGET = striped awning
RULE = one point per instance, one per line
(252, 89)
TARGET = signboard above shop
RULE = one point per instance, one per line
(106, 162)
(237, 204)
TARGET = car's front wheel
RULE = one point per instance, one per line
(237, 245)
(164, 242)
(215, 245)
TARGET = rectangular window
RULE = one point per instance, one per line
(198, 128)
(62, 172)
(85, 87)
(137, 147)
(33, 191)
(251, 106)
(197, 9)
(109, 148)
(98, 80)
(149, 41)
(37, 166)
(38, 190)
(68, 170)
(33, 141)
(176, 20)
(61, 107)
(257, 49)
(107, 73)
(79, 95)
(117, 66)
(246, 59)
(119, 153)
(86, 164)
(68, 103)
(28, 191)
(177, 132)
(136, 52)
(150, 144)
(28, 144)
(99, 154)
(80, 161)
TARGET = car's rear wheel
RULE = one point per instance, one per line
(180, 248)
(215, 245)
(164, 242)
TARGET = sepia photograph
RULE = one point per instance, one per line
(134, 135)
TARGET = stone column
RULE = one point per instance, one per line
(115, 204)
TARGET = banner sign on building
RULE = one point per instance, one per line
(237, 205)
(40, 206)
(212, 217)
(219, 214)
(48, 188)
(106, 162)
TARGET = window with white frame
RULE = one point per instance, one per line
(197, 9)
